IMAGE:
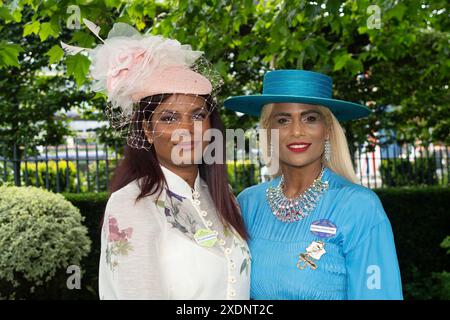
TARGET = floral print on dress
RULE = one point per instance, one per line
(179, 214)
(245, 264)
(178, 218)
(118, 243)
(174, 195)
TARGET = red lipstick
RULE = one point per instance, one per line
(298, 146)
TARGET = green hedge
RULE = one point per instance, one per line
(92, 178)
(242, 174)
(98, 179)
(421, 221)
(92, 207)
(443, 278)
(419, 217)
(402, 172)
(41, 235)
(66, 172)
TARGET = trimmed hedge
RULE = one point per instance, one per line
(420, 220)
(92, 207)
(419, 217)
(41, 235)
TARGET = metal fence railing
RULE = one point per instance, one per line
(88, 167)
(85, 167)
(403, 165)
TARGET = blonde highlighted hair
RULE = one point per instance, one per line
(340, 161)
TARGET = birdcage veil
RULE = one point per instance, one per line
(143, 75)
(183, 105)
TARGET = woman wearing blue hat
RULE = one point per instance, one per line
(314, 232)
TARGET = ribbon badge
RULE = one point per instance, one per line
(205, 237)
(323, 228)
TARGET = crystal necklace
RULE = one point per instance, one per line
(291, 210)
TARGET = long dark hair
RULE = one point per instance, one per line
(143, 164)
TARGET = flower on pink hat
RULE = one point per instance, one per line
(120, 68)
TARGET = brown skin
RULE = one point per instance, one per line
(179, 111)
(299, 123)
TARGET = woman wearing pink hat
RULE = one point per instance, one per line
(172, 228)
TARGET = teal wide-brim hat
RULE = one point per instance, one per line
(297, 86)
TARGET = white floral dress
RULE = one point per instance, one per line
(170, 247)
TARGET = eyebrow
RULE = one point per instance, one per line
(178, 112)
(287, 114)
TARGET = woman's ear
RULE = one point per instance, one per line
(328, 133)
(147, 131)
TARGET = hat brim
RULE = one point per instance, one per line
(252, 105)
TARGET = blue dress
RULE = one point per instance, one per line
(360, 261)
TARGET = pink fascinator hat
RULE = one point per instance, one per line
(129, 66)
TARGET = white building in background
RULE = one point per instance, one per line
(85, 129)
(82, 145)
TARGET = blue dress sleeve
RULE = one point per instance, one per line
(242, 202)
(372, 266)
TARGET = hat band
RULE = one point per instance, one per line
(298, 89)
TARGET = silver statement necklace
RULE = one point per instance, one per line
(291, 210)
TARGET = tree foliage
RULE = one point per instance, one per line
(399, 69)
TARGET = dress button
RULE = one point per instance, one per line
(196, 194)
(232, 266)
(203, 213)
(222, 242)
(232, 292)
(227, 251)
(209, 223)
(197, 202)
(232, 279)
